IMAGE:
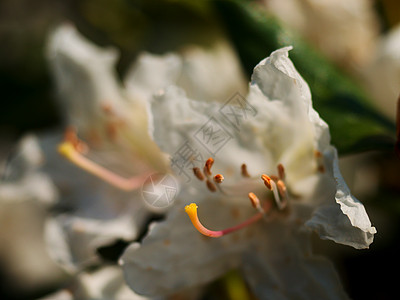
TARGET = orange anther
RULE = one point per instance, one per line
(197, 172)
(71, 137)
(244, 171)
(255, 202)
(218, 178)
(267, 181)
(281, 188)
(211, 186)
(208, 165)
(317, 154)
(281, 171)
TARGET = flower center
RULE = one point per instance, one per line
(274, 183)
(74, 149)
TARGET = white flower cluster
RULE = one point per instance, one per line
(270, 146)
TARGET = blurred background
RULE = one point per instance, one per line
(344, 50)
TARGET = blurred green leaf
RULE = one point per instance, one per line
(354, 123)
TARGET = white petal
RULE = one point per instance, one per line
(268, 76)
(60, 295)
(23, 180)
(280, 265)
(33, 187)
(57, 245)
(346, 31)
(24, 253)
(182, 125)
(213, 73)
(85, 76)
(279, 125)
(347, 221)
(295, 130)
(382, 74)
(293, 278)
(95, 212)
(178, 256)
(209, 74)
(151, 73)
(104, 284)
(278, 78)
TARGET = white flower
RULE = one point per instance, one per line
(382, 75)
(102, 284)
(213, 74)
(275, 133)
(111, 119)
(26, 192)
(95, 213)
(23, 180)
(345, 30)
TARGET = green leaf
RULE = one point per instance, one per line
(354, 123)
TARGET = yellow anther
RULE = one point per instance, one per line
(66, 149)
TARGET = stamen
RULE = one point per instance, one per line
(244, 171)
(70, 136)
(267, 181)
(321, 169)
(255, 202)
(274, 178)
(320, 161)
(318, 154)
(218, 178)
(211, 186)
(281, 171)
(276, 190)
(197, 172)
(68, 150)
(191, 210)
(208, 165)
(276, 195)
(282, 189)
(107, 108)
(112, 130)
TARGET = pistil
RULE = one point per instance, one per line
(191, 210)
